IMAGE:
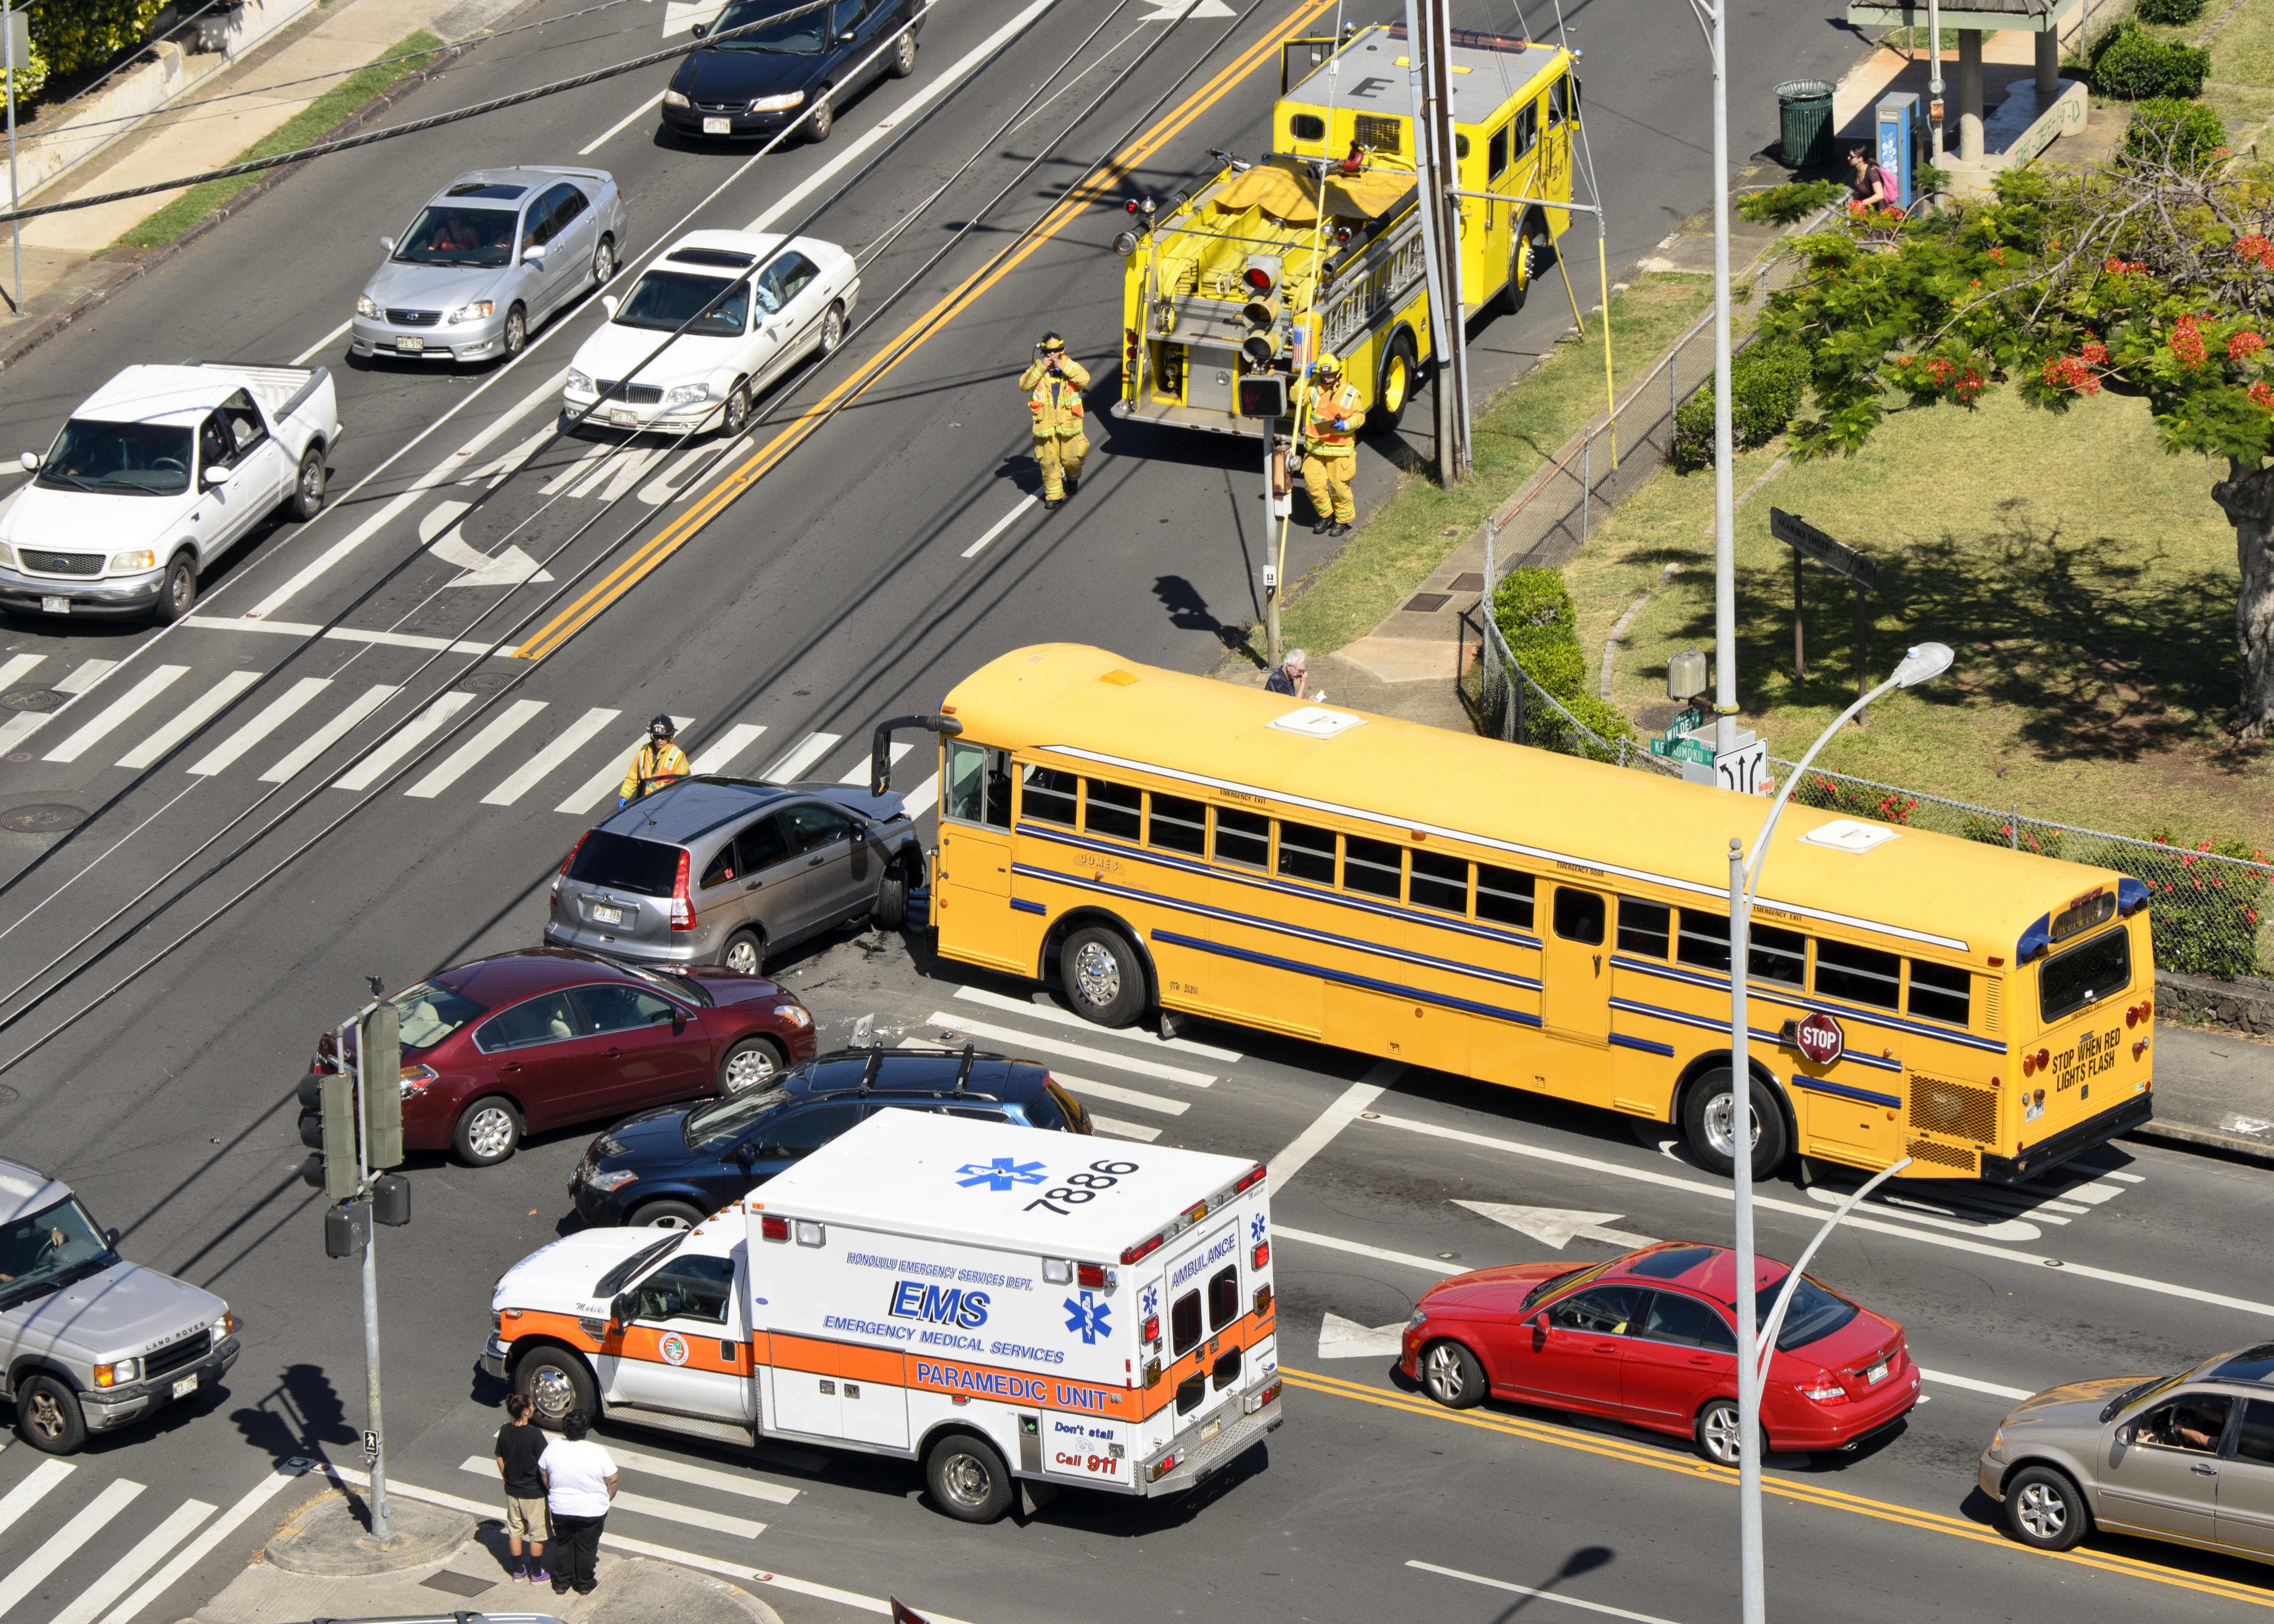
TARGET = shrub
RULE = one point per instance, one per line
(1528, 599)
(2170, 11)
(2133, 65)
(1767, 383)
(73, 35)
(2042, 839)
(1794, 201)
(1533, 608)
(2204, 916)
(2165, 129)
(1854, 799)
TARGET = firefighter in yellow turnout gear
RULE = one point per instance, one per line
(1330, 429)
(659, 764)
(1053, 386)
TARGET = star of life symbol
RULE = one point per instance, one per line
(1149, 1304)
(1089, 1316)
(1000, 1174)
(1255, 1230)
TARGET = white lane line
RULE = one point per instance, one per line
(719, 754)
(191, 1554)
(807, 751)
(17, 666)
(90, 1602)
(684, 1471)
(86, 677)
(1001, 524)
(274, 715)
(1968, 1382)
(1525, 1589)
(1124, 1130)
(302, 755)
(31, 1491)
(1057, 1016)
(572, 739)
(860, 774)
(328, 339)
(610, 778)
(406, 738)
(618, 128)
(1332, 1121)
(345, 634)
(194, 715)
(471, 753)
(1028, 1039)
(62, 1544)
(1906, 1230)
(2129, 1178)
(1137, 1097)
(642, 1505)
(919, 799)
(126, 705)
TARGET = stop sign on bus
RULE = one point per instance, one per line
(1818, 1037)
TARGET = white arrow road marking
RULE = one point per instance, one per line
(1169, 11)
(1347, 1339)
(510, 568)
(1556, 1225)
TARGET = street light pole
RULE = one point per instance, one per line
(1725, 581)
(1922, 663)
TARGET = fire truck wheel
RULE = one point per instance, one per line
(1530, 255)
(556, 1382)
(1394, 384)
(967, 1478)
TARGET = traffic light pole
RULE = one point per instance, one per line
(375, 1437)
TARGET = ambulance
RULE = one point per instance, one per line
(997, 1304)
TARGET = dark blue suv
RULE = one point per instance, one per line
(672, 1167)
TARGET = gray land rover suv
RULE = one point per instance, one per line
(729, 872)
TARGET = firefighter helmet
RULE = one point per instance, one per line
(662, 727)
(1330, 366)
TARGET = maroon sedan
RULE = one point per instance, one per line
(544, 1037)
(1649, 1339)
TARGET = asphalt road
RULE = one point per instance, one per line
(148, 1054)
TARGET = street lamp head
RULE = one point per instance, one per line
(1924, 663)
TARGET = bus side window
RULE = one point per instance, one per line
(1644, 928)
(1940, 993)
(1704, 941)
(1578, 915)
(978, 785)
(1440, 881)
(1775, 955)
(1307, 853)
(1865, 974)
(1178, 825)
(1504, 895)
(1111, 809)
(1496, 155)
(1243, 838)
(1046, 795)
(1371, 867)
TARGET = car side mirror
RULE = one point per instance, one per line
(701, 31)
(2124, 1434)
(31, 462)
(746, 1153)
(387, 243)
(609, 302)
(622, 1311)
(534, 254)
(847, 38)
(216, 476)
(110, 1240)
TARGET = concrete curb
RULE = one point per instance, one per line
(2184, 1138)
(49, 326)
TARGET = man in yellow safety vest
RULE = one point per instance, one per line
(1330, 429)
(1053, 386)
(659, 764)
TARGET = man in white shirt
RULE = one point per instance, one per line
(580, 1480)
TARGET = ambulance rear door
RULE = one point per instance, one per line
(1200, 1297)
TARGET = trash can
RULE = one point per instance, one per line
(1804, 108)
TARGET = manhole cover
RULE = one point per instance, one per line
(8, 1096)
(47, 818)
(34, 699)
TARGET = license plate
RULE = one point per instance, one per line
(717, 126)
(1212, 1429)
(1877, 1374)
(624, 419)
(615, 916)
(411, 346)
(187, 1385)
(55, 606)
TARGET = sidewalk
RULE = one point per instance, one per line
(2214, 1091)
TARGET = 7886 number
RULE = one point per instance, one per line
(1082, 1186)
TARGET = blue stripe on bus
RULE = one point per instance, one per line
(1721, 1028)
(1873, 1018)
(1025, 907)
(1345, 978)
(1663, 1050)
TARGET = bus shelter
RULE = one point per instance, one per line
(2035, 110)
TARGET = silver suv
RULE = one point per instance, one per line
(728, 871)
(89, 1341)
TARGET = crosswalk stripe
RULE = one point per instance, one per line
(274, 715)
(469, 755)
(685, 1471)
(89, 672)
(570, 740)
(1123, 1096)
(807, 751)
(309, 750)
(610, 778)
(21, 727)
(1123, 1130)
(191, 1554)
(59, 1546)
(192, 716)
(31, 1491)
(694, 1516)
(860, 774)
(919, 799)
(719, 754)
(117, 711)
(90, 1602)
(1028, 1039)
(1062, 1018)
(22, 665)
(406, 738)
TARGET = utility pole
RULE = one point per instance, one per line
(1725, 580)
(1428, 80)
(375, 1434)
(10, 61)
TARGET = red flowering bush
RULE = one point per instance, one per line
(2257, 249)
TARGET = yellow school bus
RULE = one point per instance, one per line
(1242, 281)
(1157, 841)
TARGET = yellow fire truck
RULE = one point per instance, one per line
(1231, 293)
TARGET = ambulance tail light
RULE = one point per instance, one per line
(1249, 1179)
(1260, 1258)
(1142, 1249)
(1152, 1373)
(1263, 1299)
(1151, 1331)
(683, 904)
(773, 1229)
(1097, 1277)
(1257, 1400)
(1163, 1467)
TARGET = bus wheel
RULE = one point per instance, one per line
(1394, 384)
(1529, 255)
(1103, 976)
(1708, 1116)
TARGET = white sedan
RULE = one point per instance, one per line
(758, 305)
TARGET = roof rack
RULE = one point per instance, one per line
(963, 1072)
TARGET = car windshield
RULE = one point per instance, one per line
(713, 1127)
(795, 37)
(455, 234)
(665, 301)
(613, 1281)
(48, 1250)
(1557, 1282)
(675, 986)
(1815, 1314)
(431, 1012)
(139, 459)
(2139, 1390)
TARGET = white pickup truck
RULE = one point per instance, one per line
(155, 476)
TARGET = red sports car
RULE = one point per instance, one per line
(544, 1037)
(1649, 1338)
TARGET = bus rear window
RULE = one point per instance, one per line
(619, 862)
(2085, 975)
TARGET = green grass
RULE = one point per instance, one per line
(309, 125)
(1522, 429)
(2084, 577)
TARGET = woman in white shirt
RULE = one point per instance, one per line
(580, 1480)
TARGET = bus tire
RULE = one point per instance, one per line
(967, 1478)
(1706, 1114)
(1103, 976)
(1394, 384)
(1530, 251)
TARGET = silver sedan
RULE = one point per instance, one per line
(488, 261)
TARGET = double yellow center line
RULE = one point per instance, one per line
(719, 497)
(1797, 1490)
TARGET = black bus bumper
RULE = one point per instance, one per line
(2069, 1143)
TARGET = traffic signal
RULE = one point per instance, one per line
(390, 1200)
(1263, 311)
(379, 1045)
(347, 1229)
(1262, 395)
(327, 1127)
